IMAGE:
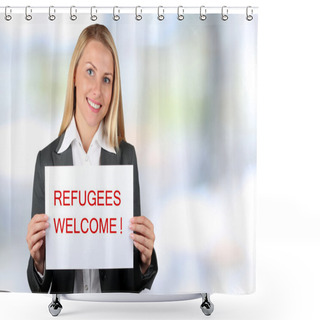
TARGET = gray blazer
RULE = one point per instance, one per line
(111, 280)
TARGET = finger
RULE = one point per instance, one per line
(36, 248)
(142, 220)
(35, 238)
(142, 230)
(142, 240)
(40, 217)
(143, 250)
(34, 228)
(37, 218)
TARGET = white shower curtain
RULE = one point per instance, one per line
(189, 100)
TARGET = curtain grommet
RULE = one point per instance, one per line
(52, 17)
(249, 17)
(73, 15)
(28, 16)
(160, 16)
(224, 13)
(7, 16)
(180, 13)
(116, 17)
(138, 16)
(203, 13)
(93, 17)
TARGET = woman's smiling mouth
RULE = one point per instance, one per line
(94, 106)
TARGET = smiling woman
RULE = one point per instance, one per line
(92, 132)
(95, 56)
(93, 85)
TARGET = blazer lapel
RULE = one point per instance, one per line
(109, 158)
(64, 158)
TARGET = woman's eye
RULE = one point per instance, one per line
(90, 72)
(106, 80)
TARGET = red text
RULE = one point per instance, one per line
(90, 197)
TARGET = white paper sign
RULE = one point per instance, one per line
(89, 209)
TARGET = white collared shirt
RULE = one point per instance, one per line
(85, 280)
(80, 157)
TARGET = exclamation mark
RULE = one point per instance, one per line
(121, 225)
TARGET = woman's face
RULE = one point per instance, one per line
(93, 80)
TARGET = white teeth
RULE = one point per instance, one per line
(93, 105)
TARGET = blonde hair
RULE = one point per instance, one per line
(113, 121)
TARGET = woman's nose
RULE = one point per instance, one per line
(97, 89)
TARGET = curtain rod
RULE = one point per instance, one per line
(128, 10)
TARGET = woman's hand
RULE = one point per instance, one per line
(143, 239)
(36, 239)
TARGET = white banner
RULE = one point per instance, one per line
(89, 209)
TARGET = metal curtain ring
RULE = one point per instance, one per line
(116, 17)
(160, 16)
(28, 15)
(180, 15)
(73, 16)
(224, 13)
(93, 17)
(51, 15)
(138, 16)
(7, 16)
(249, 16)
(203, 13)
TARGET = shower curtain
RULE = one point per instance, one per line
(189, 101)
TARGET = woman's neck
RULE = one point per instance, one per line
(86, 133)
(86, 139)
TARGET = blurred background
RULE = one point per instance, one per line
(189, 93)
